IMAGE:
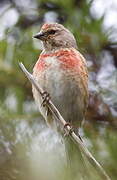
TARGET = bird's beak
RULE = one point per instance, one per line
(39, 35)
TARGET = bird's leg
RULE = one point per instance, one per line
(46, 98)
(71, 130)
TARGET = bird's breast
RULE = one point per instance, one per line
(59, 71)
(65, 58)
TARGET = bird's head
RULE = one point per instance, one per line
(55, 36)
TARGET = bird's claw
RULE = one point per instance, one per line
(45, 97)
(68, 131)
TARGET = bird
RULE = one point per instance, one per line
(61, 70)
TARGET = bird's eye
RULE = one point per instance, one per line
(52, 32)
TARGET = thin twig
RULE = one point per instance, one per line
(73, 136)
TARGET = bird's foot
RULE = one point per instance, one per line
(70, 131)
(67, 132)
(46, 98)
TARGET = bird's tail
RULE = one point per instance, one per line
(75, 161)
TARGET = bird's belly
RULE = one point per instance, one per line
(64, 92)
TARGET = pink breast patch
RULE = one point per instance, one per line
(68, 59)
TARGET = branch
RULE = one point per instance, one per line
(72, 135)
